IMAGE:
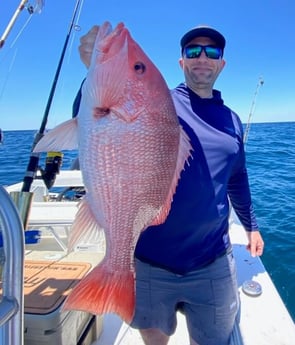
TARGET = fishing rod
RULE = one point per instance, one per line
(54, 159)
(31, 9)
(247, 129)
(246, 132)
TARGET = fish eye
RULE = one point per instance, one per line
(139, 67)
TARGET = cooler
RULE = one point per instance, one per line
(47, 283)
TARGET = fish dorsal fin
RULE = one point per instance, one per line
(61, 137)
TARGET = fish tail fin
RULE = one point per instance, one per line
(104, 291)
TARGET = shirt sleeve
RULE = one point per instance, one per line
(239, 190)
(77, 101)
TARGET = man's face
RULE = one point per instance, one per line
(201, 72)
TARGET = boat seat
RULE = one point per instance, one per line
(49, 215)
(53, 213)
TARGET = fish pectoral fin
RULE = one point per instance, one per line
(85, 228)
(61, 137)
(104, 290)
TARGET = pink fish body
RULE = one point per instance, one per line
(131, 152)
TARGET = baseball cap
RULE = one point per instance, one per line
(203, 31)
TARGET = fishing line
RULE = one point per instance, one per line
(76, 28)
(7, 74)
(31, 9)
(20, 32)
(22, 5)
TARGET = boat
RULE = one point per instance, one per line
(51, 271)
(38, 272)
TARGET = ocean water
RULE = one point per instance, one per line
(270, 152)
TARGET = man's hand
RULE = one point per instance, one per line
(87, 44)
(256, 244)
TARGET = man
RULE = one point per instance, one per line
(186, 263)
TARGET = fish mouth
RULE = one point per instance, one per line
(112, 57)
(104, 47)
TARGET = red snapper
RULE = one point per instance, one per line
(131, 153)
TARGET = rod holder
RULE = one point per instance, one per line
(23, 202)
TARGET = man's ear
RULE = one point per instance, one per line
(180, 61)
(223, 63)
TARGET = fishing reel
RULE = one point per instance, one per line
(53, 163)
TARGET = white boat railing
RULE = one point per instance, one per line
(11, 306)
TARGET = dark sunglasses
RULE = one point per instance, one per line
(194, 51)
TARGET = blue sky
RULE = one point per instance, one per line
(260, 43)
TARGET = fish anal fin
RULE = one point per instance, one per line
(104, 291)
(61, 137)
(85, 227)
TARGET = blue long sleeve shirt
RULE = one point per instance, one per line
(195, 232)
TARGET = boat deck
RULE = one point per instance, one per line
(264, 319)
(265, 315)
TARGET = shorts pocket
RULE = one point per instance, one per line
(226, 299)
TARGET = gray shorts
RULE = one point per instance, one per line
(208, 297)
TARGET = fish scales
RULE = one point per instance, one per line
(131, 153)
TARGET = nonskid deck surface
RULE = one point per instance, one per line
(47, 284)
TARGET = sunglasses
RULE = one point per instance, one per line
(194, 51)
